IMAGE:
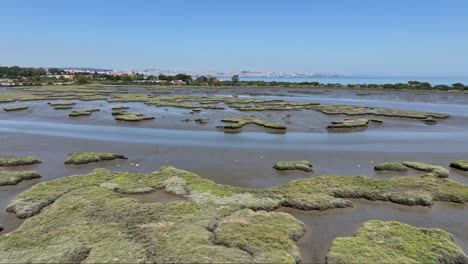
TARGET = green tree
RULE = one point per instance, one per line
(458, 86)
(81, 79)
(235, 79)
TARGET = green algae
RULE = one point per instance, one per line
(120, 108)
(239, 122)
(55, 104)
(460, 164)
(394, 242)
(391, 166)
(79, 158)
(303, 165)
(15, 108)
(14, 177)
(18, 161)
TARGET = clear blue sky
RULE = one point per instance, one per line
(381, 37)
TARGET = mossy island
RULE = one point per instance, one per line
(15, 108)
(239, 122)
(132, 117)
(394, 242)
(302, 165)
(18, 161)
(348, 124)
(14, 177)
(80, 158)
(438, 171)
(85, 112)
(460, 164)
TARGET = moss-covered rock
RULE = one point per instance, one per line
(14, 177)
(15, 108)
(436, 170)
(133, 117)
(18, 161)
(391, 166)
(238, 122)
(393, 242)
(83, 112)
(460, 164)
(303, 165)
(120, 108)
(79, 158)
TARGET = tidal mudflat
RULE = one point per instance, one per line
(238, 161)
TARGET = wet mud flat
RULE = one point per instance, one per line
(244, 160)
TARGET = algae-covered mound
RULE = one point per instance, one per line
(115, 108)
(88, 221)
(403, 166)
(460, 164)
(14, 177)
(15, 108)
(391, 166)
(349, 124)
(436, 170)
(55, 104)
(125, 116)
(18, 161)
(79, 158)
(394, 242)
(303, 165)
(238, 122)
(83, 112)
(318, 193)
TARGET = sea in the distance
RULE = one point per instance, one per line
(358, 79)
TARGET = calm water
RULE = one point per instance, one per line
(359, 80)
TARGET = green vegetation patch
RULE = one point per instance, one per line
(84, 112)
(14, 177)
(18, 161)
(87, 220)
(349, 124)
(16, 108)
(436, 170)
(55, 104)
(303, 165)
(79, 158)
(238, 122)
(126, 116)
(460, 164)
(120, 108)
(391, 166)
(394, 242)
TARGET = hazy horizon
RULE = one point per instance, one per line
(372, 38)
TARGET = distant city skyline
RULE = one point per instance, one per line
(356, 37)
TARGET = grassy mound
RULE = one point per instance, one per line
(16, 108)
(89, 221)
(303, 165)
(318, 193)
(436, 170)
(394, 242)
(238, 122)
(83, 112)
(391, 166)
(125, 116)
(14, 177)
(79, 158)
(55, 104)
(18, 161)
(460, 164)
(120, 108)
(349, 124)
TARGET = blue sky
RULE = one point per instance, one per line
(377, 37)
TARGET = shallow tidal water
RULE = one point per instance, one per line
(246, 159)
